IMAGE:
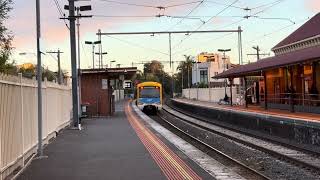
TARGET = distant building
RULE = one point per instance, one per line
(209, 65)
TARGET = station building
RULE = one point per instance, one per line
(290, 80)
(101, 88)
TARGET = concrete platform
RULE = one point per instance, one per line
(111, 148)
(301, 129)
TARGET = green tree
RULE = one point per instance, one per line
(154, 67)
(5, 39)
(153, 71)
(185, 70)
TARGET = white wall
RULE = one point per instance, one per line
(202, 94)
(211, 67)
(18, 118)
(118, 95)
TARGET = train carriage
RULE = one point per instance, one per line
(149, 96)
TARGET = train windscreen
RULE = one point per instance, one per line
(149, 92)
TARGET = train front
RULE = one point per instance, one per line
(149, 98)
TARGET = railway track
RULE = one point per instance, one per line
(298, 157)
(239, 167)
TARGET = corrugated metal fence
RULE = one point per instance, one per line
(18, 118)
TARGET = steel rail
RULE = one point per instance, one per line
(305, 165)
(256, 173)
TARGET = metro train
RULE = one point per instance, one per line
(149, 96)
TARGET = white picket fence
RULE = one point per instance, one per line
(210, 95)
(18, 118)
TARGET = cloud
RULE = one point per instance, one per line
(312, 5)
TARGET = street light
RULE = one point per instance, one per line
(197, 62)
(181, 69)
(101, 54)
(112, 62)
(224, 68)
(93, 43)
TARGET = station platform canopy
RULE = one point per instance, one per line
(283, 60)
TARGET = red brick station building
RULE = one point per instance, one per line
(290, 80)
(98, 87)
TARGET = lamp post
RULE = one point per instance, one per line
(112, 62)
(101, 54)
(93, 43)
(209, 74)
(224, 68)
(188, 79)
(194, 62)
(181, 69)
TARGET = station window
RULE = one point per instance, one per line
(203, 76)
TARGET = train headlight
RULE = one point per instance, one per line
(140, 103)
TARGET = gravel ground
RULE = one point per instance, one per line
(268, 165)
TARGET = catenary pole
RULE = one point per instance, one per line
(39, 76)
(73, 64)
(59, 64)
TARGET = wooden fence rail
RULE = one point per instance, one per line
(18, 118)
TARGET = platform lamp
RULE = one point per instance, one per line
(93, 43)
(224, 69)
(112, 62)
(101, 63)
(181, 69)
(197, 62)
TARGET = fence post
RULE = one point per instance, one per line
(22, 123)
(1, 133)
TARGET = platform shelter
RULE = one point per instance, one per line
(290, 80)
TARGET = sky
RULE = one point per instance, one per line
(275, 19)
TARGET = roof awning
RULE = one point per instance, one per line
(254, 69)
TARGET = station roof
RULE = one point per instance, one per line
(110, 70)
(254, 69)
(307, 30)
(114, 73)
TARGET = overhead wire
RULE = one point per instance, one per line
(151, 6)
(190, 12)
(267, 4)
(277, 30)
(272, 4)
(131, 16)
(212, 17)
(224, 4)
(61, 12)
(137, 45)
(129, 4)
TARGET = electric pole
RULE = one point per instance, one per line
(74, 72)
(39, 76)
(100, 50)
(258, 54)
(72, 18)
(59, 65)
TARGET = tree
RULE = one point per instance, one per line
(5, 39)
(184, 67)
(153, 71)
(154, 67)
